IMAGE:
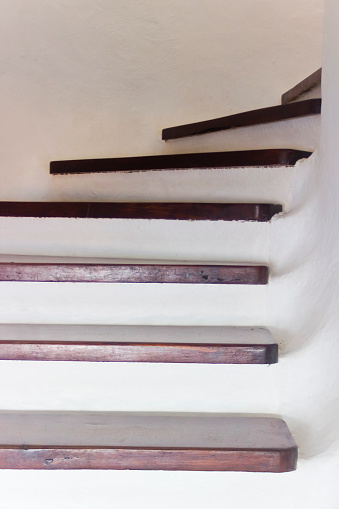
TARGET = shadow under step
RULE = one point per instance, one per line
(202, 345)
(245, 119)
(121, 273)
(258, 158)
(260, 212)
(120, 441)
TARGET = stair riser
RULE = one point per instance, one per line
(131, 304)
(245, 242)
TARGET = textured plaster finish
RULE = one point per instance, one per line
(303, 297)
(98, 79)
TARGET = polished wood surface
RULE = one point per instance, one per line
(138, 343)
(96, 440)
(183, 211)
(201, 353)
(304, 86)
(247, 118)
(268, 157)
(100, 273)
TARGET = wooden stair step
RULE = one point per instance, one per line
(246, 118)
(128, 273)
(303, 86)
(268, 157)
(203, 345)
(98, 440)
(184, 211)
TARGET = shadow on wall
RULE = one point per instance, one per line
(303, 307)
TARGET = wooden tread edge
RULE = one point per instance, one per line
(266, 157)
(171, 211)
(70, 440)
(145, 273)
(303, 86)
(245, 119)
(202, 353)
(130, 458)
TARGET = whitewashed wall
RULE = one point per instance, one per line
(98, 79)
(101, 79)
(303, 300)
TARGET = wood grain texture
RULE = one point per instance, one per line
(202, 353)
(268, 157)
(304, 86)
(247, 118)
(100, 273)
(94, 440)
(172, 211)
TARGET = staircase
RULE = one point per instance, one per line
(70, 440)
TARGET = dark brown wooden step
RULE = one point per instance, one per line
(97, 440)
(102, 273)
(249, 350)
(304, 86)
(268, 157)
(183, 211)
(247, 118)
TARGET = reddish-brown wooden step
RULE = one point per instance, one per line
(204, 345)
(247, 118)
(268, 157)
(184, 211)
(95, 440)
(100, 273)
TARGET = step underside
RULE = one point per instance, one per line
(204, 345)
(128, 273)
(119, 441)
(247, 118)
(173, 211)
(256, 158)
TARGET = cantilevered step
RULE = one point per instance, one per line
(247, 118)
(119, 273)
(203, 345)
(303, 87)
(96, 440)
(268, 157)
(183, 211)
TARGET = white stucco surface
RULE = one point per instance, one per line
(101, 79)
(303, 298)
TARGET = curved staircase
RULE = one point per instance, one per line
(108, 440)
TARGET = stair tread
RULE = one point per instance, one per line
(105, 440)
(206, 345)
(267, 157)
(303, 86)
(133, 273)
(152, 210)
(246, 118)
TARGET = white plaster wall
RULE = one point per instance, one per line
(98, 79)
(303, 299)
